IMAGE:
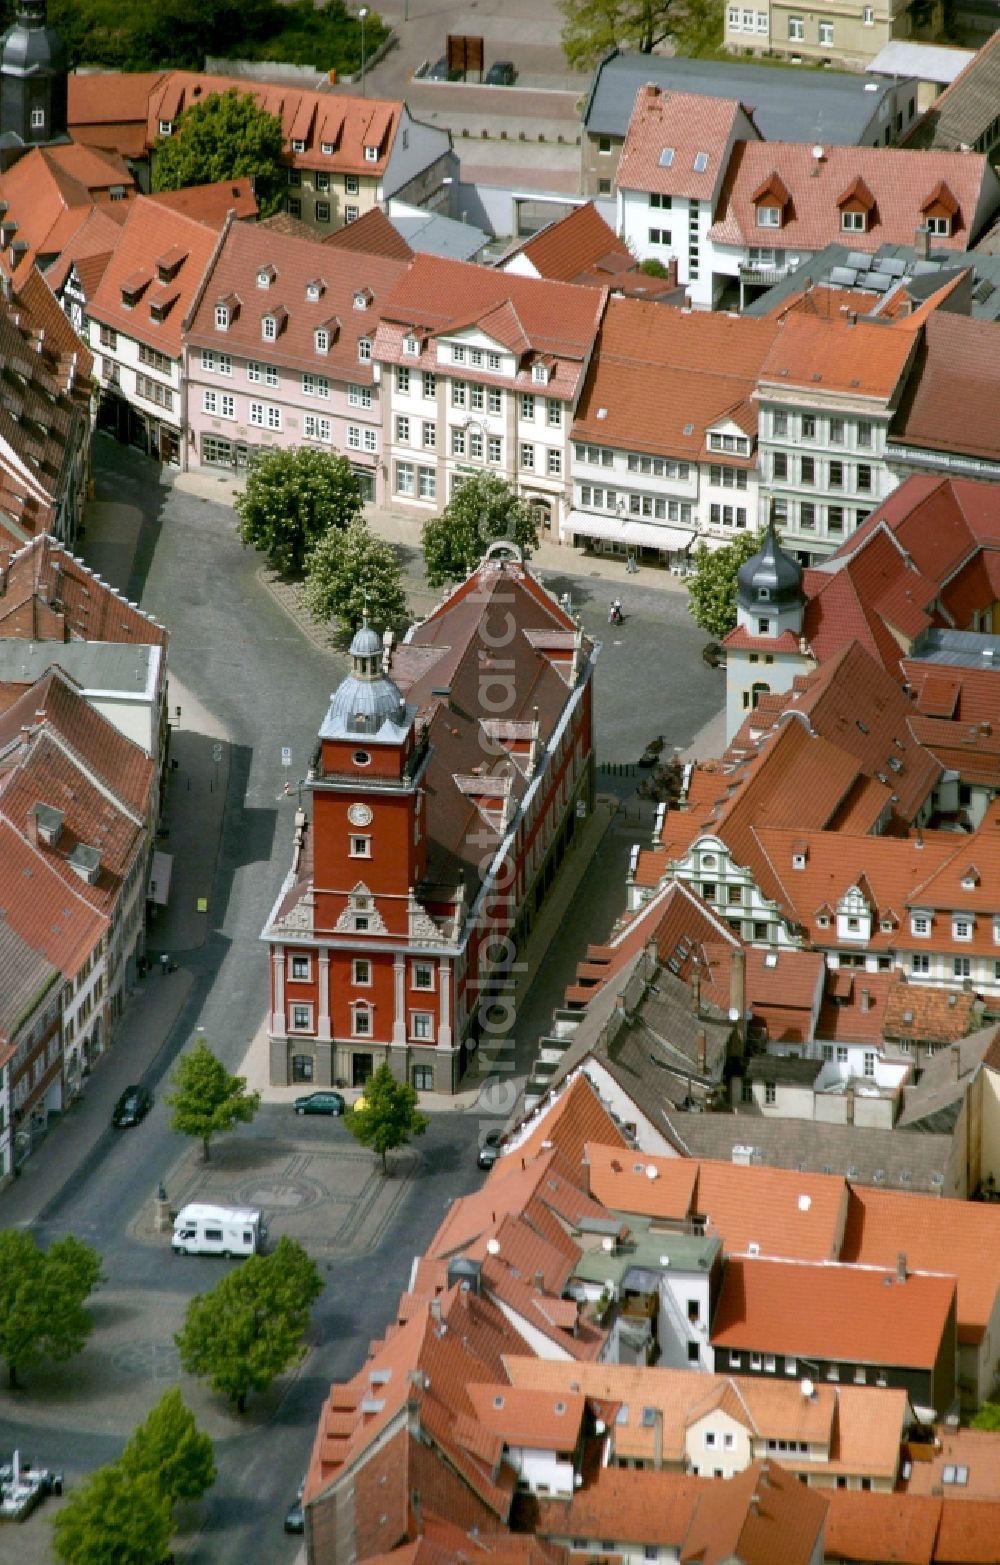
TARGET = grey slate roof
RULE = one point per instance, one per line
(783, 1067)
(95, 665)
(935, 1102)
(891, 1159)
(432, 234)
(27, 974)
(833, 107)
(965, 110)
(820, 268)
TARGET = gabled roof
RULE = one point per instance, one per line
(374, 234)
(897, 183)
(54, 917)
(762, 1516)
(661, 377)
(211, 203)
(897, 1527)
(150, 231)
(28, 975)
(50, 192)
(566, 1120)
(293, 266)
(578, 247)
(963, 114)
(954, 1236)
(868, 358)
(676, 142)
(47, 594)
(847, 1314)
(955, 375)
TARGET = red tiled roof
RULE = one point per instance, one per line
(662, 376)
(210, 203)
(373, 234)
(762, 1516)
(867, 358)
(867, 1527)
(955, 376)
(149, 231)
(849, 1314)
(67, 601)
(567, 1121)
(52, 915)
(582, 242)
(297, 265)
(898, 182)
(953, 1236)
(676, 142)
(543, 1420)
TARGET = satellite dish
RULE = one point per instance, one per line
(493, 1246)
(817, 152)
(807, 1388)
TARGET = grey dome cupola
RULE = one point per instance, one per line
(34, 67)
(769, 596)
(367, 700)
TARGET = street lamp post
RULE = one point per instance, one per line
(361, 16)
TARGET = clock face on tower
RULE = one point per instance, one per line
(359, 815)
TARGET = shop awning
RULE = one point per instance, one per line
(160, 872)
(624, 530)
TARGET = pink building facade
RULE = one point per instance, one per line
(280, 353)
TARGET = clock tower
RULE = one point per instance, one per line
(34, 70)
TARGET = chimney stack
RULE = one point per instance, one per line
(539, 1282)
(702, 1041)
(922, 241)
(436, 1311)
(866, 1000)
(901, 1266)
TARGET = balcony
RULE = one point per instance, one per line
(763, 274)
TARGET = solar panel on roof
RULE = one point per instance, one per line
(892, 265)
(843, 276)
(666, 157)
(860, 261)
(921, 268)
(879, 281)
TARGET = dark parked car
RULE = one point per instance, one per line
(714, 654)
(320, 1103)
(133, 1105)
(439, 72)
(295, 1516)
(489, 1149)
(501, 74)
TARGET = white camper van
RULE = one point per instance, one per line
(218, 1230)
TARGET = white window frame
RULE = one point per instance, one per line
(306, 961)
(301, 1016)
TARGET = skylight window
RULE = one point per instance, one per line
(667, 157)
(700, 162)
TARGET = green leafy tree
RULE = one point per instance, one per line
(387, 1115)
(988, 1417)
(170, 1449)
(593, 27)
(482, 510)
(114, 1517)
(351, 574)
(712, 588)
(206, 1099)
(250, 1327)
(292, 498)
(227, 136)
(42, 1297)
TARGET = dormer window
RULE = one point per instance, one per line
(314, 291)
(920, 925)
(38, 119)
(371, 154)
(768, 217)
(540, 374)
(411, 346)
(133, 287)
(364, 350)
(321, 340)
(857, 206)
(763, 594)
(222, 317)
(298, 145)
(266, 276)
(326, 147)
(363, 298)
(269, 328)
(970, 880)
(939, 211)
(961, 928)
(166, 127)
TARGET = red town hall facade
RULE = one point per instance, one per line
(452, 772)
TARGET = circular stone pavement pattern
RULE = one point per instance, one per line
(334, 1200)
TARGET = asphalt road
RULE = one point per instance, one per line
(266, 686)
